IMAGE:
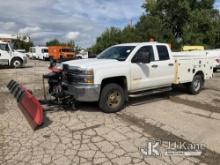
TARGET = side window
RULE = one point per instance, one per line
(163, 53)
(4, 47)
(148, 50)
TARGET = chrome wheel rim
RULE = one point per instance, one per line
(17, 63)
(114, 99)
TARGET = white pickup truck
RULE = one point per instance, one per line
(9, 57)
(133, 70)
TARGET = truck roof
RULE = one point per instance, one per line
(141, 43)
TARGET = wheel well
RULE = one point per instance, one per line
(122, 81)
(200, 73)
(16, 58)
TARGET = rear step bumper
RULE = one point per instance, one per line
(29, 104)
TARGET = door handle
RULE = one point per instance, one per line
(171, 64)
(154, 66)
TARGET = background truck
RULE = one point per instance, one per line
(130, 70)
(215, 54)
(9, 57)
(39, 52)
(82, 55)
(61, 52)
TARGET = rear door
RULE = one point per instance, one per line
(4, 54)
(165, 64)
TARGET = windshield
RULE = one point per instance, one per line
(4, 47)
(120, 53)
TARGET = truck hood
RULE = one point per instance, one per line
(93, 63)
(19, 54)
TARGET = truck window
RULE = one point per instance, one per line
(67, 50)
(4, 47)
(146, 49)
(119, 53)
(163, 53)
(44, 51)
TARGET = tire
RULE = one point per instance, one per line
(112, 98)
(16, 63)
(196, 85)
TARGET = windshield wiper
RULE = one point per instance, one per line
(120, 59)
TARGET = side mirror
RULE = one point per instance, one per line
(142, 58)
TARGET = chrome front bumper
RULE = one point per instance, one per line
(84, 93)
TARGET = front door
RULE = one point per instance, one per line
(143, 76)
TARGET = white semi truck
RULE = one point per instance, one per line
(11, 58)
(133, 70)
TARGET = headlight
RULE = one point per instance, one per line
(87, 80)
(89, 72)
(79, 76)
(87, 76)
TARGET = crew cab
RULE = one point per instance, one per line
(133, 70)
(9, 57)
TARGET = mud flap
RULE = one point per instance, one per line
(28, 104)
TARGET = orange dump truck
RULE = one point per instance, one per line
(61, 52)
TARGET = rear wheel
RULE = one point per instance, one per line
(16, 63)
(196, 85)
(112, 98)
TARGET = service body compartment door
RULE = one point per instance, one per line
(189, 63)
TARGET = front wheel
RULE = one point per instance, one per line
(196, 85)
(112, 98)
(16, 63)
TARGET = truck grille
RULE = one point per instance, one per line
(71, 75)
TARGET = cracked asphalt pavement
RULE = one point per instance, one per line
(88, 136)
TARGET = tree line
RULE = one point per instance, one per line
(178, 22)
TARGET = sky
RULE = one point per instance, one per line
(79, 20)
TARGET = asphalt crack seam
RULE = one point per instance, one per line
(208, 156)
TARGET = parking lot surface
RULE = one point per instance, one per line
(88, 136)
